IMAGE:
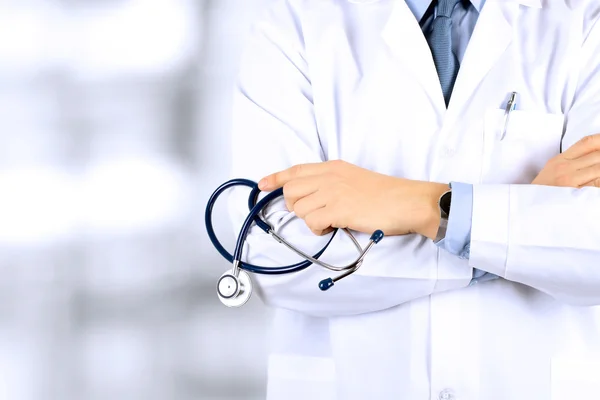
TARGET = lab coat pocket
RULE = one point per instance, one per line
(531, 139)
(574, 378)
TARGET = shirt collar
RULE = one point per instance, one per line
(419, 7)
(478, 4)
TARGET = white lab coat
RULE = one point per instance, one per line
(355, 80)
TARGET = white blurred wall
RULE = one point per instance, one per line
(114, 124)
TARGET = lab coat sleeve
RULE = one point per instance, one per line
(547, 237)
(274, 128)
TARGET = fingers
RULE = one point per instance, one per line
(308, 204)
(319, 221)
(302, 187)
(297, 189)
(323, 232)
(587, 160)
(589, 176)
(585, 146)
(279, 179)
(593, 183)
(580, 172)
(306, 191)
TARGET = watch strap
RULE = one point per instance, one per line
(443, 227)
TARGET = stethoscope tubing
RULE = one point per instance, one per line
(253, 217)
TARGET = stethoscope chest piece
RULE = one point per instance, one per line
(234, 291)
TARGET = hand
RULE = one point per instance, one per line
(577, 167)
(336, 194)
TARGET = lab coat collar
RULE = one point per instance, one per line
(527, 3)
(493, 36)
(419, 7)
(403, 36)
(476, 3)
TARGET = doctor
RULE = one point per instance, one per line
(412, 96)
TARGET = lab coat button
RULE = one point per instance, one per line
(447, 394)
(448, 152)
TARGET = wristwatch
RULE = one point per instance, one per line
(444, 204)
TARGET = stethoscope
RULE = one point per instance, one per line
(234, 287)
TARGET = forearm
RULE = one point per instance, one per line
(397, 270)
(544, 237)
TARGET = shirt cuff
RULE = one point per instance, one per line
(458, 233)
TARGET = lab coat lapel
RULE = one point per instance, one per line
(492, 36)
(528, 3)
(406, 41)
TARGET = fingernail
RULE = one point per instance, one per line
(262, 184)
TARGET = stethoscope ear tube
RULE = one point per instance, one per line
(209, 210)
(328, 283)
(253, 216)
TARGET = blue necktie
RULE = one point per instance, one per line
(440, 42)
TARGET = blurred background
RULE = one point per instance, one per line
(114, 126)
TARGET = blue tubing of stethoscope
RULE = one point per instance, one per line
(253, 217)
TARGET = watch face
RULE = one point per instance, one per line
(445, 202)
